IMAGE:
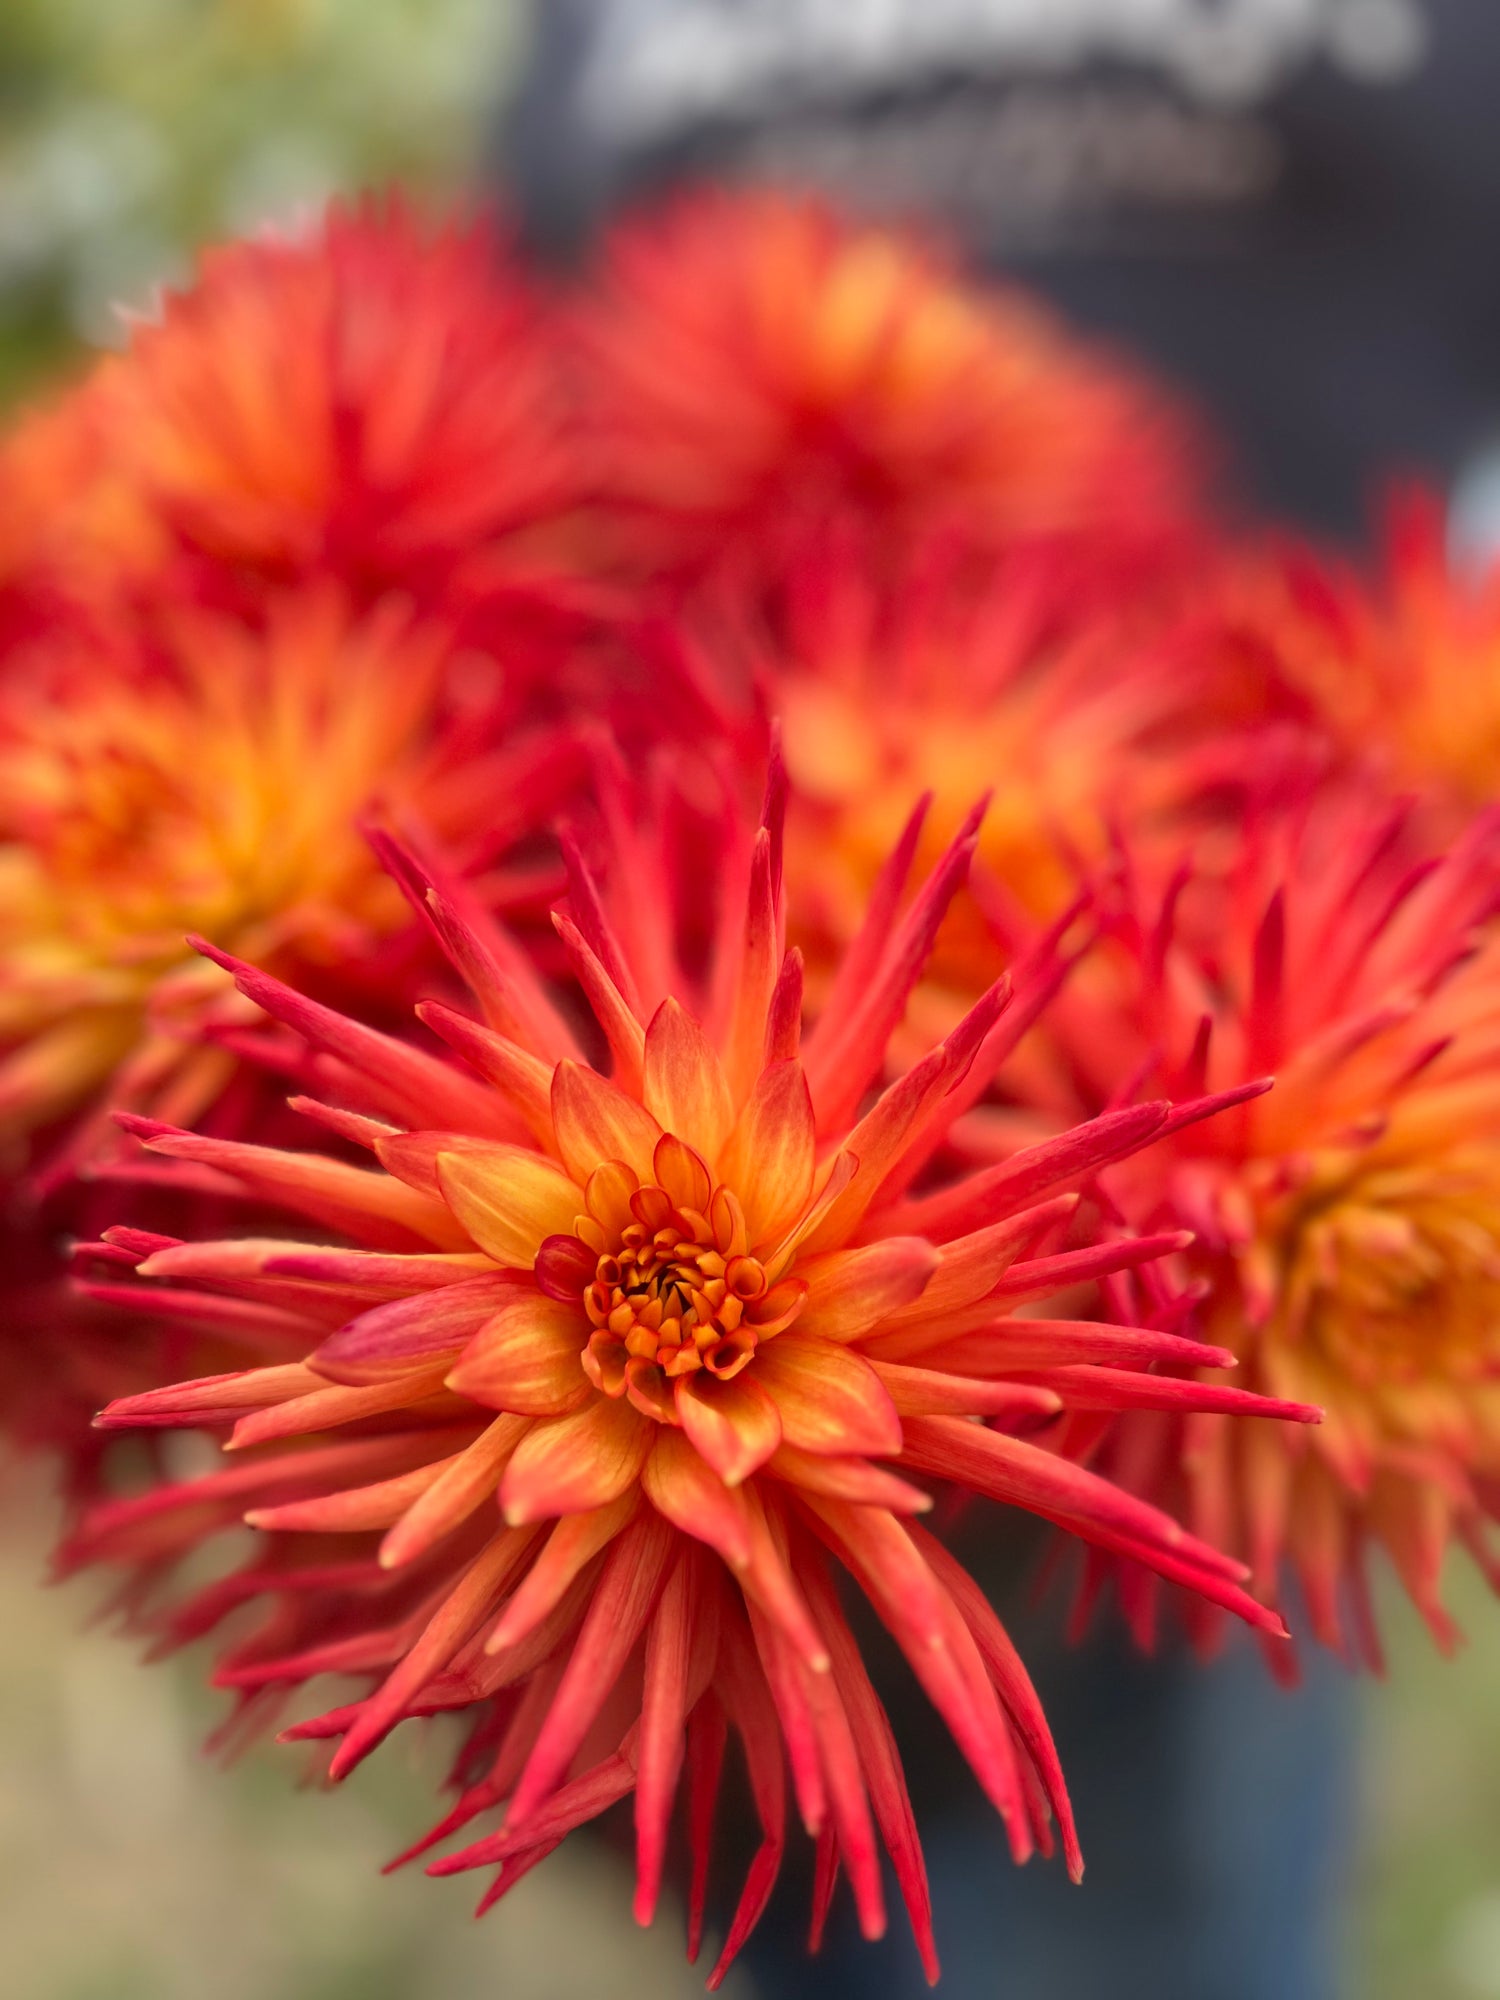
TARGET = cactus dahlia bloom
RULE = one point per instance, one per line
(600, 1378)
(75, 536)
(215, 777)
(887, 694)
(1348, 1224)
(752, 363)
(370, 399)
(1398, 667)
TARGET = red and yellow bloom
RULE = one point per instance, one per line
(755, 366)
(1348, 1224)
(197, 773)
(371, 401)
(564, 1430)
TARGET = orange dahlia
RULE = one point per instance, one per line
(931, 685)
(600, 1378)
(75, 536)
(370, 399)
(195, 774)
(1397, 664)
(1347, 1225)
(753, 364)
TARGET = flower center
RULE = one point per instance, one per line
(667, 1280)
(1400, 1280)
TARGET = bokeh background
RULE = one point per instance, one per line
(129, 1868)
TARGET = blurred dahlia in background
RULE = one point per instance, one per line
(1347, 1224)
(753, 366)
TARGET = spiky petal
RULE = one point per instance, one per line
(660, 1369)
(1347, 1224)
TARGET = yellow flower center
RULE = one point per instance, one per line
(1400, 1280)
(667, 1279)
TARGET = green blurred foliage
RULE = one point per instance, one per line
(131, 132)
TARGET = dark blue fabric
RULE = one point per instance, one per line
(1215, 1811)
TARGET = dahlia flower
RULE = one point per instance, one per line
(370, 400)
(1396, 664)
(928, 684)
(198, 774)
(75, 537)
(752, 364)
(1347, 1225)
(600, 1378)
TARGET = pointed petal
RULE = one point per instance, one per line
(734, 1425)
(622, 1030)
(622, 1601)
(1073, 1156)
(571, 1545)
(596, 1122)
(527, 1358)
(464, 1484)
(368, 1206)
(1012, 1683)
(829, 1399)
(403, 1079)
(392, 1339)
(687, 1491)
(525, 1079)
(849, 1479)
(684, 1088)
(570, 1464)
(769, 1157)
(451, 1624)
(509, 1200)
(354, 1509)
(850, 1291)
(924, 1392)
(681, 1648)
(1088, 1388)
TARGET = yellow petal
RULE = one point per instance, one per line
(768, 1160)
(685, 1088)
(527, 1358)
(596, 1122)
(509, 1200)
(566, 1465)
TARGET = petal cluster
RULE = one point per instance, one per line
(603, 1375)
(145, 786)
(1347, 1224)
(756, 365)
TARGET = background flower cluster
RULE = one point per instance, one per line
(772, 626)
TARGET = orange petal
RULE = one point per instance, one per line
(734, 1425)
(769, 1158)
(413, 1156)
(597, 1122)
(690, 1494)
(684, 1084)
(569, 1464)
(464, 1484)
(681, 1486)
(527, 1358)
(829, 1399)
(850, 1291)
(509, 1200)
(569, 1545)
(849, 1479)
